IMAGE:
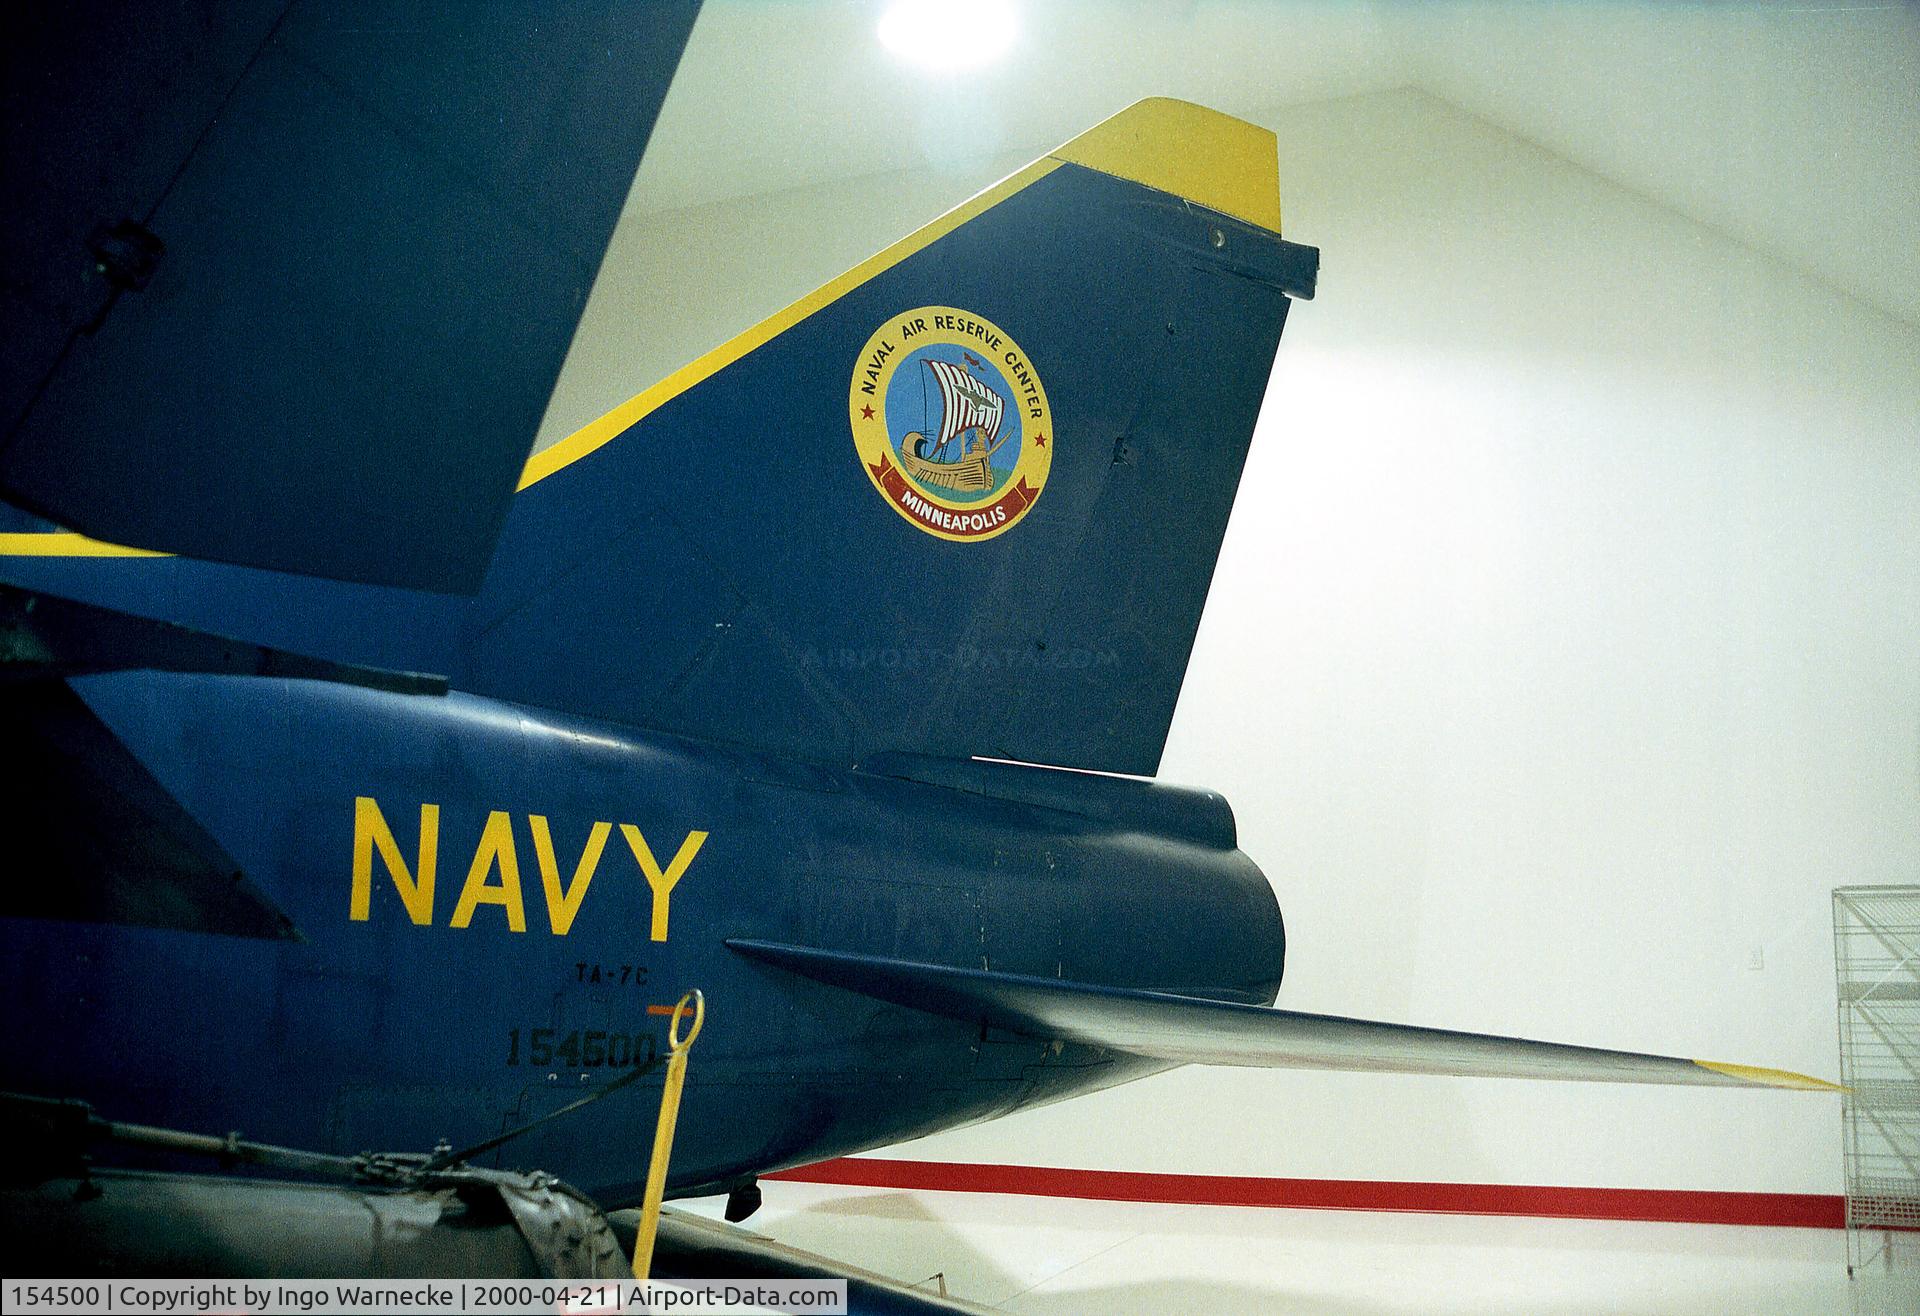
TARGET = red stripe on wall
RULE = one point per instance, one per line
(1673, 1205)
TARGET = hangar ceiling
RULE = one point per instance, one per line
(1790, 126)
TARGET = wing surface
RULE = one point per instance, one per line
(287, 283)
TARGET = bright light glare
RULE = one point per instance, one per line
(950, 35)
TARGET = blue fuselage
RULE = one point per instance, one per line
(496, 906)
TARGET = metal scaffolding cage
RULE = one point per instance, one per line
(1876, 955)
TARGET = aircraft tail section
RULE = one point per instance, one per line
(964, 500)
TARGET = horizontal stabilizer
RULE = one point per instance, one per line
(1191, 1030)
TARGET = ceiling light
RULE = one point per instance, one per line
(949, 35)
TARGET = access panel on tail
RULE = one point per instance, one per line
(964, 500)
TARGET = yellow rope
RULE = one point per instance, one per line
(663, 1132)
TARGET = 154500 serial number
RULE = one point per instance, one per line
(592, 1048)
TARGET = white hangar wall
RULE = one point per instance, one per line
(1564, 654)
(1561, 658)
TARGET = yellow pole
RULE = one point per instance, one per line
(663, 1132)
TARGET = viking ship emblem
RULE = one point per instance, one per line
(951, 422)
(970, 418)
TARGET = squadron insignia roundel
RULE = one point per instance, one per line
(951, 423)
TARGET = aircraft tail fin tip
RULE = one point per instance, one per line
(1192, 152)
